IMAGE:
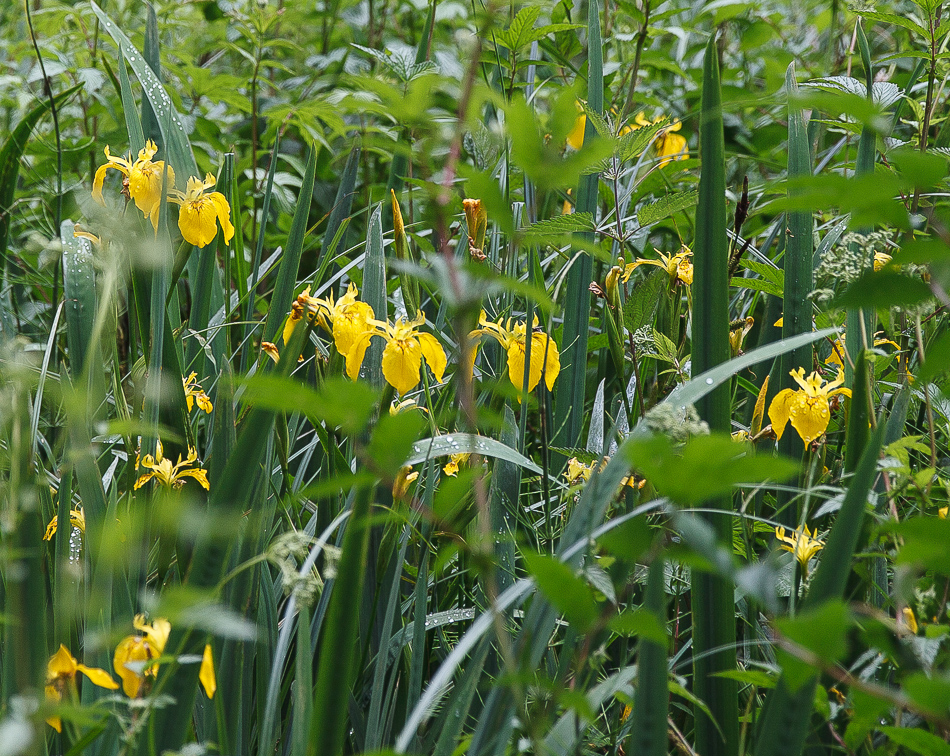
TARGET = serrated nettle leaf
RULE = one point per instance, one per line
(391, 444)
(665, 348)
(642, 303)
(559, 225)
(920, 169)
(666, 206)
(639, 623)
(600, 123)
(520, 32)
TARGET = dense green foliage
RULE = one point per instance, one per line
(445, 378)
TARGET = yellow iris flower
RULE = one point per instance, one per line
(142, 182)
(880, 260)
(135, 651)
(668, 146)
(403, 355)
(403, 480)
(194, 393)
(839, 349)
(452, 466)
(806, 408)
(77, 519)
(677, 267)
(803, 545)
(579, 472)
(168, 475)
(346, 319)
(199, 209)
(544, 355)
(61, 671)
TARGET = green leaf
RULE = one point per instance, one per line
(391, 442)
(893, 18)
(566, 592)
(666, 206)
(917, 740)
(339, 402)
(823, 631)
(629, 541)
(169, 121)
(882, 289)
(556, 227)
(639, 623)
(443, 446)
(937, 361)
(930, 692)
(642, 303)
(708, 466)
(924, 543)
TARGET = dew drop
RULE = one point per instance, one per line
(709, 381)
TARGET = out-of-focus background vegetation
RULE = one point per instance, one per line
(619, 423)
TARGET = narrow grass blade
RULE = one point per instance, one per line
(859, 416)
(133, 123)
(303, 688)
(797, 309)
(572, 382)
(648, 733)
(152, 55)
(177, 148)
(290, 264)
(259, 249)
(79, 290)
(342, 207)
(338, 639)
(713, 605)
(374, 292)
(505, 493)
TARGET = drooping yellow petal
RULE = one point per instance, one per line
(354, 357)
(196, 221)
(759, 412)
(223, 210)
(552, 367)
(198, 474)
(206, 673)
(434, 354)
(516, 356)
(809, 416)
(575, 139)
(780, 411)
(98, 677)
(98, 181)
(402, 359)
(671, 146)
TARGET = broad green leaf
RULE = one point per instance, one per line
(568, 593)
(917, 740)
(884, 288)
(708, 466)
